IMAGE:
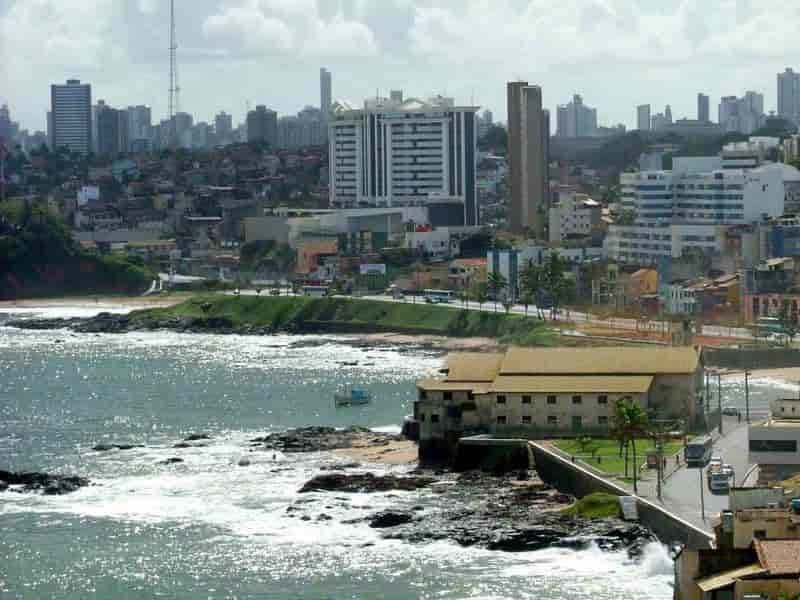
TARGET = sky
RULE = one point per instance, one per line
(615, 53)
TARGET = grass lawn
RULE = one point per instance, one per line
(603, 454)
(595, 506)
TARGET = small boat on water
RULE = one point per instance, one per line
(354, 397)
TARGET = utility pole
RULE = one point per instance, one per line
(719, 400)
(747, 394)
(702, 499)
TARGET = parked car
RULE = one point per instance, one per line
(730, 411)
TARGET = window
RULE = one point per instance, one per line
(760, 534)
(422, 395)
(552, 420)
(501, 399)
(577, 399)
(448, 395)
(602, 420)
(602, 399)
(501, 419)
(527, 399)
(434, 418)
(468, 406)
(773, 445)
(526, 420)
(551, 399)
(421, 417)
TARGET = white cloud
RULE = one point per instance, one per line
(340, 38)
(148, 7)
(250, 28)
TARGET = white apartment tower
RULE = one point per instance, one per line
(405, 153)
(71, 109)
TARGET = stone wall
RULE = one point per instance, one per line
(752, 358)
(570, 478)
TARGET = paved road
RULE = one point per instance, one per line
(681, 494)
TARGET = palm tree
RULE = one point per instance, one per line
(630, 422)
(497, 283)
(481, 294)
(530, 281)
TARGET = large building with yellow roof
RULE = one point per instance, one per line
(539, 392)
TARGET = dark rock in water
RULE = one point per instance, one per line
(44, 482)
(170, 461)
(105, 447)
(319, 439)
(363, 482)
(188, 445)
(340, 467)
(389, 518)
(194, 437)
(324, 517)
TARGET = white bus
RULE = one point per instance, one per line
(316, 291)
(438, 296)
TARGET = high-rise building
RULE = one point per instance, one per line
(703, 113)
(575, 119)
(262, 126)
(528, 136)
(223, 128)
(409, 153)
(668, 114)
(643, 117)
(112, 131)
(742, 115)
(789, 96)
(71, 107)
(139, 123)
(325, 93)
(5, 124)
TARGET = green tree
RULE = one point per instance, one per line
(555, 282)
(530, 278)
(497, 283)
(480, 292)
(629, 423)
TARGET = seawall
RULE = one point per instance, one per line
(578, 481)
(752, 358)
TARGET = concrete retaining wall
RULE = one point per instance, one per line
(573, 479)
(752, 358)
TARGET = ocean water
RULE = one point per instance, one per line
(210, 529)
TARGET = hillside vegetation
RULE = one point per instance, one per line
(348, 314)
(38, 257)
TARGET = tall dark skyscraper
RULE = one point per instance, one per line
(71, 110)
(262, 126)
(528, 137)
(702, 108)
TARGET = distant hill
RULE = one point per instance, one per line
(38, 258)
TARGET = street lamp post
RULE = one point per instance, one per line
(702, 499)
(719, 400)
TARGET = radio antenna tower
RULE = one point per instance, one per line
(174, 88)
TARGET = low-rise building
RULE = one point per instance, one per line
(552, 391)
(574, 216)
(774, 444)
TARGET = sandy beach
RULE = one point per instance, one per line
(401, 452)
(99, 301)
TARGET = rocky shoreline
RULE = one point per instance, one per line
(512, 512)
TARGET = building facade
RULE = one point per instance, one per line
(742, 115)
(683, 210)
(574, 216)
(405, 153)
(643, 117)
(789, 95)
(71, 116)
(528, 138)
(575, 119)
(703, 113)
(325, 93)
(262, 126)
(552, 391)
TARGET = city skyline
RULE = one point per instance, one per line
(270, 51)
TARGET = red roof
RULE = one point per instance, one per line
(779, 557)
